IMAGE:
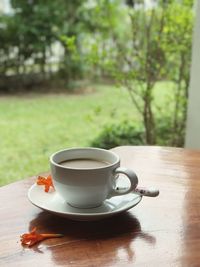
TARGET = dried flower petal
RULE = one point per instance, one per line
(32, 238)
(47, 182)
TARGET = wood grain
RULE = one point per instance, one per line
(162, 231)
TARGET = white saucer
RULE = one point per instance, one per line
(53, 203)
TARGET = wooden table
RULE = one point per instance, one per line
(162, 231)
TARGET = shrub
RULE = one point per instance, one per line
(116, 134)
(129, 133)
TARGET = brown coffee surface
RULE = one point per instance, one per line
(83, 163)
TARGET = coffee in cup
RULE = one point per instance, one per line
(83, 163)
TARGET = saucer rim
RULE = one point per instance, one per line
(78, 214)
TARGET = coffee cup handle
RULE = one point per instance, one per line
(133, 180)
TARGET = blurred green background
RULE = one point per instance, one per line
(90, 73)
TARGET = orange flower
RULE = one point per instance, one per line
(47, 182)
(32, 238)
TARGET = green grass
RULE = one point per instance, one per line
(34, 126)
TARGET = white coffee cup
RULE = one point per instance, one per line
(88, 187)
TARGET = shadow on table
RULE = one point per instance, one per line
(112, 238)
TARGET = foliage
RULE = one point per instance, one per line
(29, 34)
(156, 45)
(177, 42)
(118, 134)
(151, 44)
(131, 133)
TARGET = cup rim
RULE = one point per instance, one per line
(51, 159)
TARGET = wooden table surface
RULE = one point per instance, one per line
(162, 231)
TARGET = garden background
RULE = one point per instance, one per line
(90, 73)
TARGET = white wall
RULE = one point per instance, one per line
(5, 6)
(193, 116)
